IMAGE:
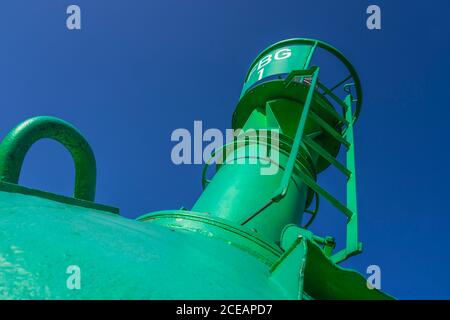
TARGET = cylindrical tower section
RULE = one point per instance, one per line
(280, 102)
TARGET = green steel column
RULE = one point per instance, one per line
(282, 94)
(239, 192)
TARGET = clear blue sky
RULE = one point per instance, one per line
(140, 69)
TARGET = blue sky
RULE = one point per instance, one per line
(137, 70)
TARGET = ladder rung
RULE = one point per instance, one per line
(324, 153)
(332, 95)
(328, 128)
(313, 185)
(332, 112)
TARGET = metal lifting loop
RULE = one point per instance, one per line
(16, 144)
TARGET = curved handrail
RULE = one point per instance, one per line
(314, 212)
(19, 140)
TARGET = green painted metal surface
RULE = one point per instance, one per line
(243, 238)
(279, 60)
(118, 258)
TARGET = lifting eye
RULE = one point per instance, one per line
(19, 140)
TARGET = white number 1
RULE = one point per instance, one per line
(260, 73)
